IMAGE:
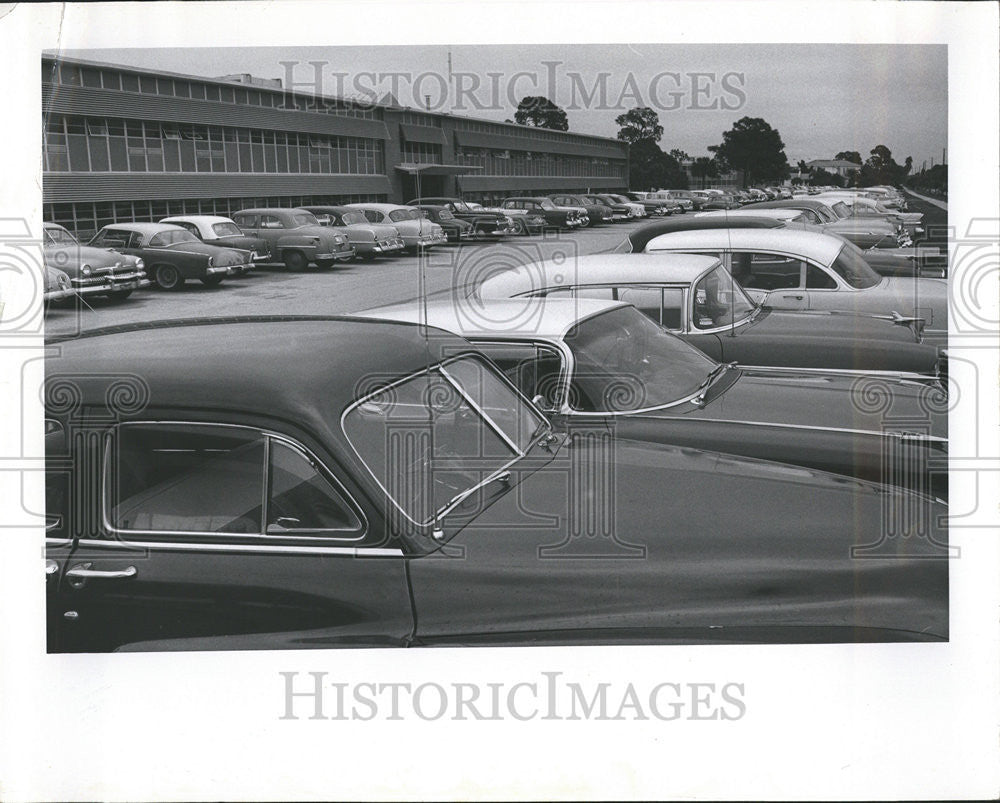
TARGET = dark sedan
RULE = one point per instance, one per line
(223, 232)
(455, 230)
(604, 363)
(486, 225)
(407, 495)
(172, 254)
(556, 217)
(596, 213)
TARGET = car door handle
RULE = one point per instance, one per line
(84, 572)
(797, 297)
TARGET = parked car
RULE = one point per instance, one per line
(223, 232)
(688, 201)
(638, 209)
(791, 269)
(416, 232)
(596, 213)
(91, 271)
(604, 363)
(222, 511)
(368, 240)
(655, 207)
(455, 230)
(556, 217)
(171, 254)
(486, 224)
(619, 211)
(861, 207)
(697, 299)
(295, 237)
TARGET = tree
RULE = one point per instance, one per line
(850, 156)
(540, 112)
(752, 146)
(638, 124)
(821, 178)
(881, 168)
(650, 168)
(704, 168)
(678, 154)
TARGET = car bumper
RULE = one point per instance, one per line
(216, 269)
(95, 285)
(387, 246)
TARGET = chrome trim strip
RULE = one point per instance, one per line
(880, 433)
(182, 546)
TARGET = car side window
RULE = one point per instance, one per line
(763, 271)
(191, 227)
(819, 279)
(245, 221)
(373, 216)
(169, 479)
(664, 305)
(271, 222)
(533, 368)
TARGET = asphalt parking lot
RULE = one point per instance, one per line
(347, 287)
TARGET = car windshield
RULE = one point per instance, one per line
(826, 214)
(625, 362)
(435, 437)
(840, 208)
(172, 238)
(852, 267)
(56, 235)
(719, 300)
(444, 214)
(304, 219)
(399, 215)
(545, 203)
(226, 229)
(460, 206)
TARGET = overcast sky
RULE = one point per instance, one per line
(822, 98)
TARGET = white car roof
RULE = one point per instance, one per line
(821, 248)
(381, 207)
(781, 213)
(208, 220)
(596, 269)
(548, 318)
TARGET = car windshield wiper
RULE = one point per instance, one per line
(714, 374)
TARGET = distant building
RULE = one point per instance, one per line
(839, 166)
(252, 80)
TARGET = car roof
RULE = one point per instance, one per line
(270, 210)
(381, 207)
(641, 236)
(598, 269)
(789, 203)
(548, 318)
(217, 364)
(822, 248)
(776, 214)
(144, 228)
(198, 219)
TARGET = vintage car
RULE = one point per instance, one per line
(872, 233)
(408, 495)
(619, 211)
(171, 253)
(222, 231)
(792, 269)
(556, 217)
(486, 224)
(638, 209)
(457, 231)
(655, 207)
(605, 363)
(697, 299)
(596, 213)
(854, 205)
(414, 229)
(368, 240)
(686, 201)
(295, 236)
(91, 271)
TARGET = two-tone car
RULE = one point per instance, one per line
(457, 231)
(416, 232)
(409, 495)
(793, 269)
(555, 217)
(620, 212)
(697, 299)
(596, 213)
(369, 240)
(171, 253)
(223, 232)
(91, 271)
(295, 237)
(863, 233)
(486, 224)
(605, 364)
(656, 207)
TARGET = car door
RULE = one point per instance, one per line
(212, 536)
(58, 529)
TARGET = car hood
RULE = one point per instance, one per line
(70, 258)
(686, 539)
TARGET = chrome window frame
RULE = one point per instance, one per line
(243, 539)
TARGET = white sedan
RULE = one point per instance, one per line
(791, 269)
